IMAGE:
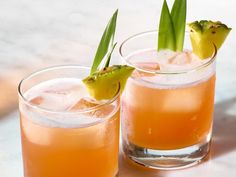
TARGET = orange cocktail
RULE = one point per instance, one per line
(167, 105)
(64, 131)
(168, 119)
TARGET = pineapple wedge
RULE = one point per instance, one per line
(106, 83)
(206, 35)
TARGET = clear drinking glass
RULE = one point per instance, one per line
(166, 116)
(59, 141)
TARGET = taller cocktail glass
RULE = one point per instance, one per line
(167, 105)
(64, 131)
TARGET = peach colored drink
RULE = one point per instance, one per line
(167, 105)
(168, 119)
(66, 133)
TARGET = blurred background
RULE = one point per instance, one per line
(36, 34)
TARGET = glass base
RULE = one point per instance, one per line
(167, 159)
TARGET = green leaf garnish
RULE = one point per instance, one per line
(166, 35)
(172, 26)
(178, 15)
(109, 55)
(106, 43)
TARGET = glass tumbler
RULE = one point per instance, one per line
(67, 143)
(166, 115)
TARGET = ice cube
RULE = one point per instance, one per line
(52, 101)
(84, 103)
(151, 66)
(88, 103)
(181, 58)
(180, 61)
(183, 100)
(56, 100)
(37, 100)
(61, 98)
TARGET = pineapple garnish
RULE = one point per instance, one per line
(105, 82)
(206, 35)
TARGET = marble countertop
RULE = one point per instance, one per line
(36, 34)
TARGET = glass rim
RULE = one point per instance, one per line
(185, 71)
(45, 110)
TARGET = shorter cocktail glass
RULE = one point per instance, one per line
(64, 131)
(167, 105)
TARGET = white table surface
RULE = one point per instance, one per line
(35, 34)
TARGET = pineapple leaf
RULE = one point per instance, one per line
(106, 43)
(166, 35)
(109, 55)
(178, 15)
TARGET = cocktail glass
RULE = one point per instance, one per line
(67, 142)
(166, 115)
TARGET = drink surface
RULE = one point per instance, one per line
(152, 63)
(168, 111)
(65, 141)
